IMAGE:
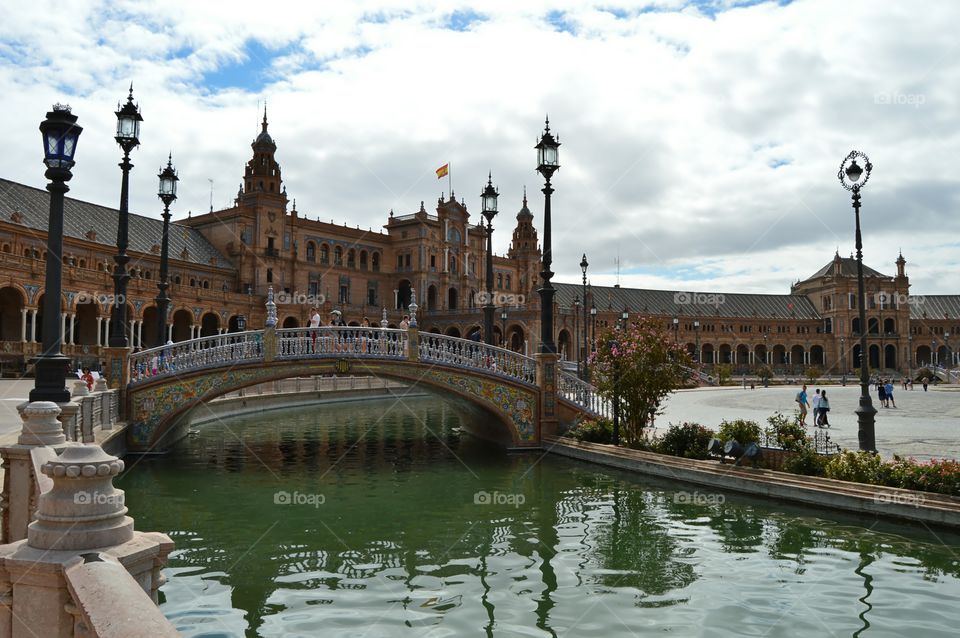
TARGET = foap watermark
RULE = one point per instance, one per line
(896, 299)
(916, 100)
(498, 498)
(298, 498)
(916, 500)
(300, 299)
(699, 299)
(102, 299)
(698, 498)
(498, 299)
(98, 498)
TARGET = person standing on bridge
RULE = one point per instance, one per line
(314, 324)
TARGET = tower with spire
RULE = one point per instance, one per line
(525, 249)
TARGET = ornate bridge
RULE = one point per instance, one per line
(527, 395)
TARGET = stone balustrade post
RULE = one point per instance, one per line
(413, 344)
(49, 581)
(40, 436)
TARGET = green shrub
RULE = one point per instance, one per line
(688, 440)
(860, 467)
(788, 435)
(592, 431)
(805, 461)
(743, 431)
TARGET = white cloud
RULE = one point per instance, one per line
(688, 138)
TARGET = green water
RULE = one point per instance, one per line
(385, 537)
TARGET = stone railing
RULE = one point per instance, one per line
(98, 410)
(462, 353)
(583, 395)
(340, 341)
(206, 352)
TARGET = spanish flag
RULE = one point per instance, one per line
(443, 170)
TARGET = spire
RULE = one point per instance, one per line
(264, 124)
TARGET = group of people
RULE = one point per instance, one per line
(336, 319)
(821, 407)
(885, 392)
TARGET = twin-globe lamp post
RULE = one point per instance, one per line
(489, 200)
(853, 178)
(128, 137)
(167, 194)
(586, 331)
(60, 134)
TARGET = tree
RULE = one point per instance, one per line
(813, 373)
(645, 365)
(724, 371)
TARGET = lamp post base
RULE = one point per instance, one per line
(866, 432)
(50, 384)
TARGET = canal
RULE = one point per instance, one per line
(382, 518)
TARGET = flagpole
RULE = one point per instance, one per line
(450, 178)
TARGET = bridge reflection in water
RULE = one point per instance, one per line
(383, 519)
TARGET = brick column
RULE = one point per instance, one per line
(547, 382)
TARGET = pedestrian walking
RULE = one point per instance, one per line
(888, 390)
(881, 393)
(815, 404)
(801, 400)
(824, 408)
(925, 381)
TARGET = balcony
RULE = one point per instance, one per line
(271, 252)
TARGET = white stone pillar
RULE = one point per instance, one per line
(33, 325)
(132, 334)
(99, 331)
(106, 328)
(23, 324)
(63, 327)
(73, 328)
(170, 332)
(140, 333)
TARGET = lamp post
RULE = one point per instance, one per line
(583, 269)
(548, 162)
(128, 137)
(933, 351)
(503, 326)
(624, 318)
(167, 194)
(946, 343)
(850, 175)
(676, 330)
(593, 327)
(613, 345)
(843, 361)
(489, 199)
(576, 333)
(60, 134)
(696, 332)
(910, 357)
(241, 323)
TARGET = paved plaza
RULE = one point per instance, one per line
(923, 425)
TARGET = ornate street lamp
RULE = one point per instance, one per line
(586, 331)
(60, 134)
(576, 332)
(613, 345)
(676, 330)
(128, 137)
(910, 357)
(241, 323)
(853, 178)
(503, 326)
(843, 362)
(167, 194)
(624, 318)
(548, 162)
(489, 199)
(696, 331)
(593, 328)
(946, 342)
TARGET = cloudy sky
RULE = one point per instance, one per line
(700, 139)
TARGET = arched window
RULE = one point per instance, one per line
(338, 256)
(324, 254)
(351, 259)
(363, 260)
(376, 262)
(499, 280)
(193, 282)
(206, 283)
(176, 280)
(311, 251)
(508, 283)
(269, 275)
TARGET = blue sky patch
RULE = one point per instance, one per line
(777, 162)
(558, 20)
(463, 19)
(251, 72)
